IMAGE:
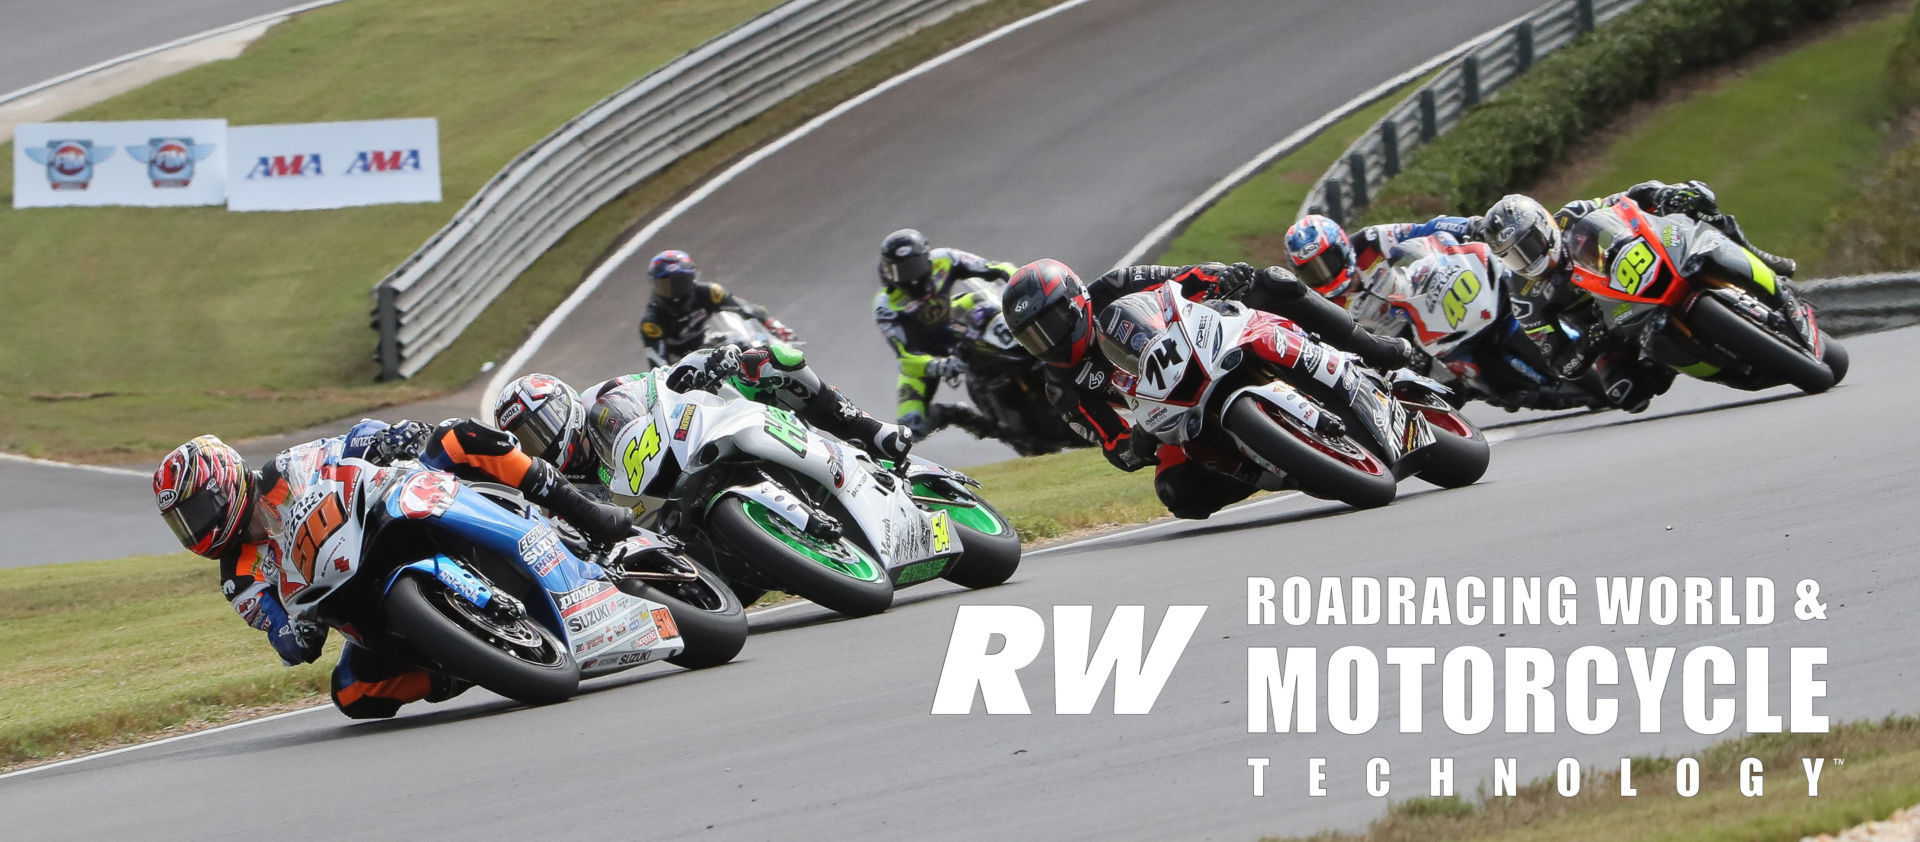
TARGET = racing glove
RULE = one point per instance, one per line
(1383, 353)
(943, 367)
(1693, 198)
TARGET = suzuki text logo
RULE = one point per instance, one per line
(379, 162)
(285, 166)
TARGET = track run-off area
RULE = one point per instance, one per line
(823, 727)
(1070, 138)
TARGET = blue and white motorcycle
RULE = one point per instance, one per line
(470, 580)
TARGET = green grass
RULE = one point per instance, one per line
(1061, 493)
(249, 323)
(1250, 222)
(1785, 144)
(96, 653)
(1881, 774)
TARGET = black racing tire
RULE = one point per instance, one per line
(1459, 454)
(1715, 322)
(1308, 457)
(709, 616)
(986, 558)
(437, 624)
(1835, 356)
(798, 574)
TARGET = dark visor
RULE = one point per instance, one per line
(1319, 272)
(1050, 336)
(196, 517)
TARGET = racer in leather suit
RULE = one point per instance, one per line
(1053, 316)
(551, 416)
(676, 317)
(1338, 265)
(205, 475)
(1534, 246)
(912, 310)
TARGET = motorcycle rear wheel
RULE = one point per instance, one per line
(1360, 479)
(804, 565)
(712, 623)
(1715, 322)
(524, 662)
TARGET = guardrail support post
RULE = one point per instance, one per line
(1357, 169)
(386, 317)
(1336, 210)
(1470, 81)
(1390, 147)
(1429, 116)
(1583, 12)
(1523, 46)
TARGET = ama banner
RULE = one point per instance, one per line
(314, 166)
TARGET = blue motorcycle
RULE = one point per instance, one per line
(470, 580)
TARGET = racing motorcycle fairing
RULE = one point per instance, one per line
(351, 529)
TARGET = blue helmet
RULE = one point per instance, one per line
(1322, 255)
(673, 274)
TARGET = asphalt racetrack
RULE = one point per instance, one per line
(823, 728)
(1069, 139)
(42, 40)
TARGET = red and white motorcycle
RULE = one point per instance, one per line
(1309, 416)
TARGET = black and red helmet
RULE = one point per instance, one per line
(1047, 308)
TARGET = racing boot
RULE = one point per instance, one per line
(960, 415)
(1782, 266)
(1629, 385)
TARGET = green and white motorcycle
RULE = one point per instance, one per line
(773, 504)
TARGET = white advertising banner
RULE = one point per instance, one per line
(141, 162)
(312, 166)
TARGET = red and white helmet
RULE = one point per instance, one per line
(546, 415)
(206, 494)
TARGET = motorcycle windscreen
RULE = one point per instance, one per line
(1126, 326)
(611, 413)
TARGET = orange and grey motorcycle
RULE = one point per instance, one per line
(1696, 301)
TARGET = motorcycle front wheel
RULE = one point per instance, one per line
(1459, 454)
(520, 660)
(711, 621)
(1713, 321)
(1338, 468)
(835, 574)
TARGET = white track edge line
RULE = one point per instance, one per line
(538, 338)
(176, 738)
(1288, 145)
(177, 42)
(29, 460)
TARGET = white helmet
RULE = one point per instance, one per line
(1524, 236)
(545, 414)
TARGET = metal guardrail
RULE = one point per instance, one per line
(1865, 303)
(1435, 108)
(556, 184)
